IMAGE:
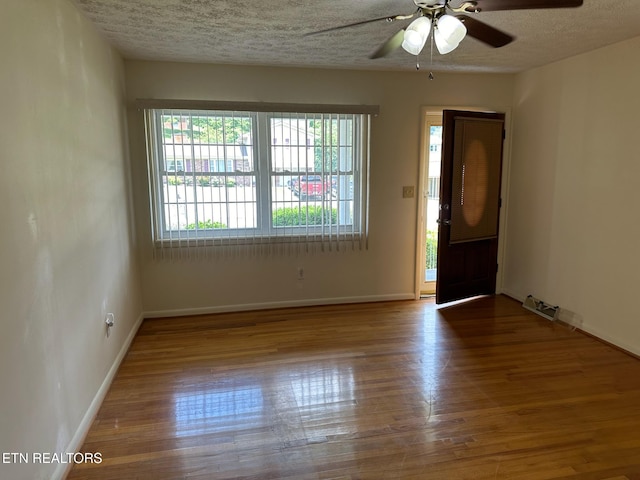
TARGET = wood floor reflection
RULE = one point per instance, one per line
(398, 390)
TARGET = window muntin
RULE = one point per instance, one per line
(255, 175)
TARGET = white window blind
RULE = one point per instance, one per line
(252, 182)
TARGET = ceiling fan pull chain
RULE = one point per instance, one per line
(431, 77)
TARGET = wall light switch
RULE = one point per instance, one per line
(408, 191)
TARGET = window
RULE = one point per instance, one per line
(175, 165)
(433, 188)
(222, 178)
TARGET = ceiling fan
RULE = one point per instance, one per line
(450, 24)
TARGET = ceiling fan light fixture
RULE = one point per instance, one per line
(442, 45)
(448, 33)
(416, 34)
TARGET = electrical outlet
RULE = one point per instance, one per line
(408, 191)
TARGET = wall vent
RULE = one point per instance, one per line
(550, 312)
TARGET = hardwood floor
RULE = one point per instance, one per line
(399, 390)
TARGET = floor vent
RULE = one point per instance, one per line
(547, 311)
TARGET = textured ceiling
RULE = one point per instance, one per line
(271, 32)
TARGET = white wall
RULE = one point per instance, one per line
(387, 269)
(573, 225)
(66, 248)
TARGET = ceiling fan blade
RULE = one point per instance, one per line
(495, 5)
(388, 18)
(485, 33)
(389, 46)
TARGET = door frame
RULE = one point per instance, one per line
(423, 164)
(428, 119)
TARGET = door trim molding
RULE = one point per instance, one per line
(425, 111)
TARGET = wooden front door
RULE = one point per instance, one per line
(469, 204)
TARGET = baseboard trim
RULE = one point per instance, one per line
(78, 438)
(513, 295)
(611, 341)
(310, 302)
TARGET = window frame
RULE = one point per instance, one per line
(263, 177)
